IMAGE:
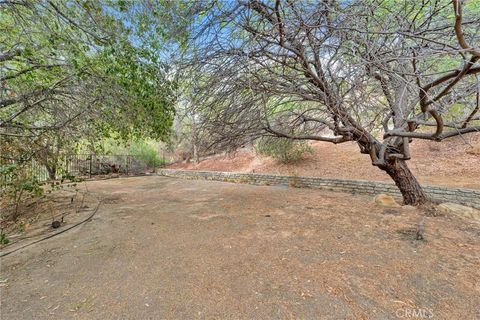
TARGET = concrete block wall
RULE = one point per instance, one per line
(469, 197)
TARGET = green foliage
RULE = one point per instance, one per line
(76, 71)
(18, 183)
(145, 152)
(283, 150)
(146, 105)
(142, 149)
(3, 239)
(85, 72)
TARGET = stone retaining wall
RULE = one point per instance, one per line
(470, 197)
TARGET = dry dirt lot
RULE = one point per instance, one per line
(161, 248)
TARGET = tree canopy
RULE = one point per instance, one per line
(75, 69)
(379, 73)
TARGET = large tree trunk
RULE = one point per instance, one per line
(411, 190)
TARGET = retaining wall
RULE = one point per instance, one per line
(470, 197)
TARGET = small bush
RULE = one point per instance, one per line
(3, 239)
(16, 184)
(143, 150)
(283, 150)
(147, 153)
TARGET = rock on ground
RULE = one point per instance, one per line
(386, 200)
(460, 210)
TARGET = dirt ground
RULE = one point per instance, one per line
(162, 248)
(454, 162)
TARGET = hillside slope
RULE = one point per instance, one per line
(455, 162)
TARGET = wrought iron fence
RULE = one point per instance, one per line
(83, 166)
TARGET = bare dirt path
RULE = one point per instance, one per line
(162, 248)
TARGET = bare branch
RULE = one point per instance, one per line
(457, 6)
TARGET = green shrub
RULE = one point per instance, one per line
(284, 150)
(143, 150)
(146, 152)
(3, 239)
(16, 184)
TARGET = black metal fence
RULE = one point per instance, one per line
(83, 166)
(90, 165)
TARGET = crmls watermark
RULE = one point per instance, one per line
(420, 313)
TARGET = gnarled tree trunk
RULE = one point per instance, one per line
(411, 190)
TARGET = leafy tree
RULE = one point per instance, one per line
(74, 70)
